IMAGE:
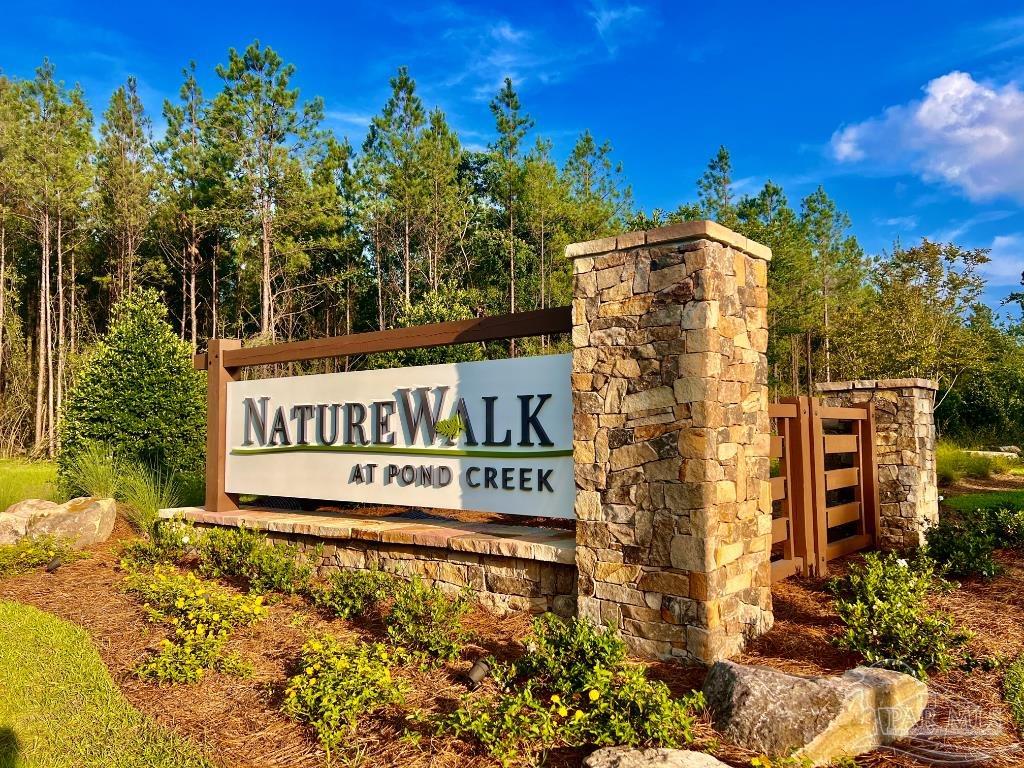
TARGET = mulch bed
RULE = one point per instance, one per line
(239, 723)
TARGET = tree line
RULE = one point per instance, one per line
(256, 221)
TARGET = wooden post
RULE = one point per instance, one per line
(818, 514)
(803, 499)
(868, 455)
(217, 378)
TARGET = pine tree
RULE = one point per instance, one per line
(714, 190)
(507, 169)
(126, 182)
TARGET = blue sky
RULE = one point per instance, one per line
(913, 119)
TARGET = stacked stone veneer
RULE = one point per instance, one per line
(509, 568)
(905, 443)
(672, 437)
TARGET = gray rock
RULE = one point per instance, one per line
(83, 521)
(627, 757)
(818, 718)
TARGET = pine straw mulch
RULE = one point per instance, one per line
(239, 723)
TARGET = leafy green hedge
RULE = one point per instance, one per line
(137, 394)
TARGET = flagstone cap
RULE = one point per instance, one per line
(687, 230)
(543, 544)
(845, 386)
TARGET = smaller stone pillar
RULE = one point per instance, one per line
(905, 443)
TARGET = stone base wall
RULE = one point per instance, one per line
(905, 444)
(509, 568)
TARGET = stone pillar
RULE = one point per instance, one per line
(671, 441)
(905, 442)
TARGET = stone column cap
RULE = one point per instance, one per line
(687, 230)
(845, 386)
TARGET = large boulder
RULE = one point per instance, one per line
(82, 522)
(627, 757)
(818, 718)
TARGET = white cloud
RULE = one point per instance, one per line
(963, 132)
(357, 119)
(613, 22)
(1006, 260)
(899, 222)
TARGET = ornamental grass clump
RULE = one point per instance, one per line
(203, 616)
(884, 605)
(573, 687)
(338, 684)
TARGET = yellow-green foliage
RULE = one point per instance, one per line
(34, 552)
(94, 471)
(247, 554)
(953, 464)
(145, 490)
(60, 708)
(426, 620)
(338, 684)
(202, 615)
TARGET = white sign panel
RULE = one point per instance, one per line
(492, 436)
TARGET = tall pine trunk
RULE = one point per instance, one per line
(265, 316)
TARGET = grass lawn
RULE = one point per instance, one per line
(59, 706)
(26, 480)
(986, 500)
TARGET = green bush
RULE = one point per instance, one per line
(884, 604)
(426, 620)
(245, 553)
(137, 393)
(953, 464)
(965, 547)
(34, 552)
(348, 594)
(572, 688)
(337, 685)
(1013, 690)
(202, 614)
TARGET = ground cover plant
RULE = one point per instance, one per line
(350, 594)
(1013, 690)
(572, 687)
(884, 604)
(339, 684)
(965, 543)
(60, 706)
(426, 620)
(34, 552)
(247, 554)
(202, 615)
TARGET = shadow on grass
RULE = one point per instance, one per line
(10, 748)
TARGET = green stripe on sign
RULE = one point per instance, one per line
(385, 449)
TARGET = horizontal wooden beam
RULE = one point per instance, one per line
(844, 414)
(847, 545)
(777, 449)
(841, 478)
(840, 443)
(783, 569)
(519, 325)
(779, 488)
(841, 514)
(780, 529)
(781, 411)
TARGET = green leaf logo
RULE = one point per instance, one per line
(450, 428)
